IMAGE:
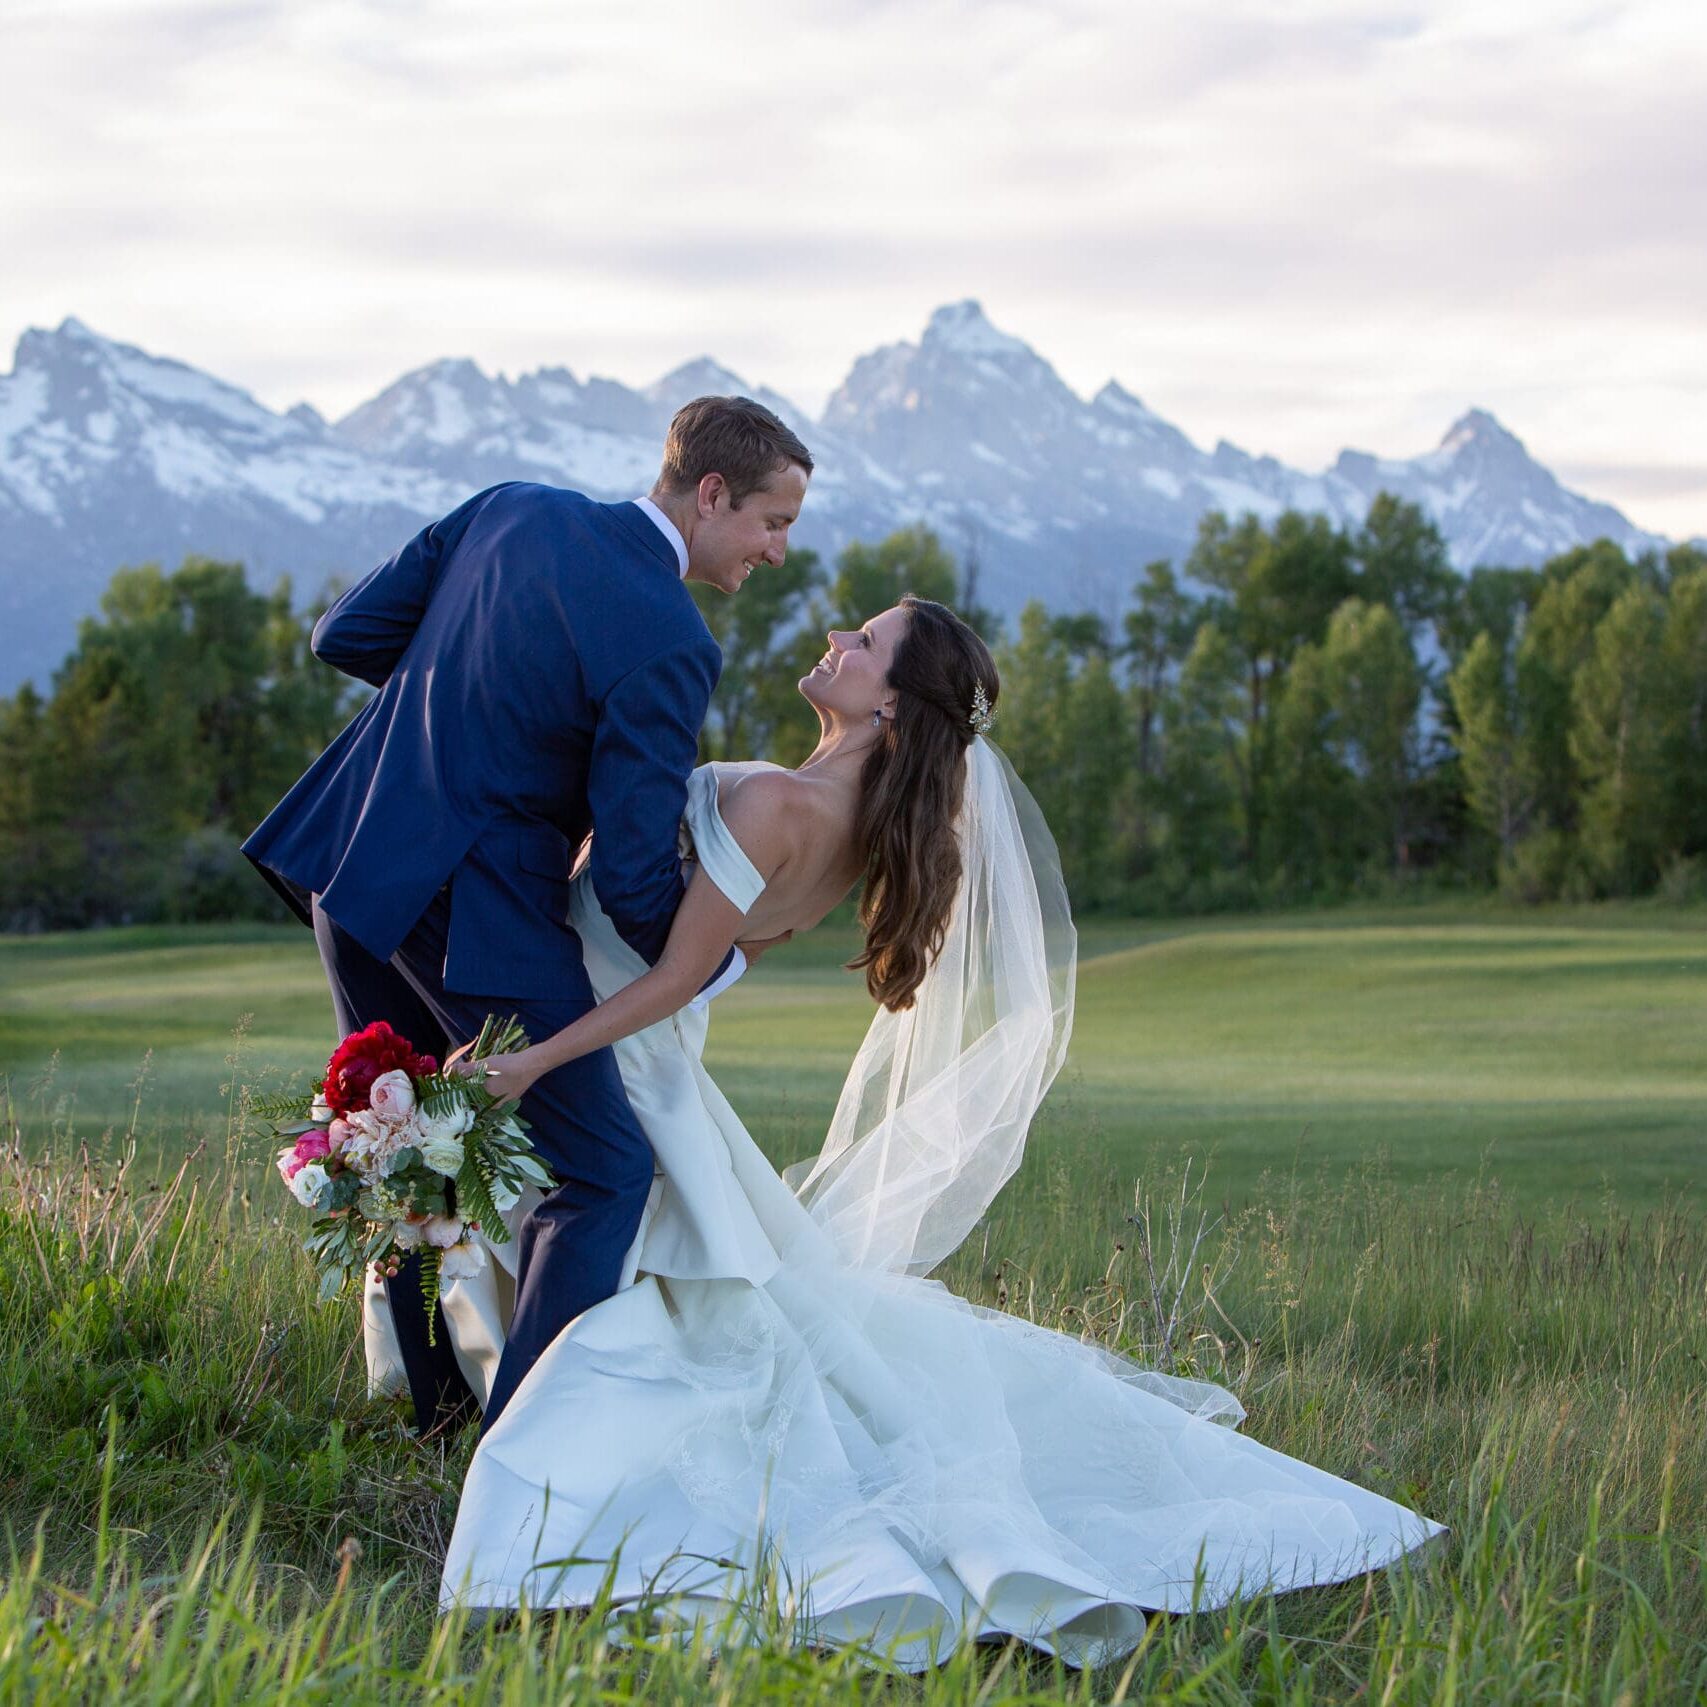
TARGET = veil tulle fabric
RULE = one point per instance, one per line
(933, 1115)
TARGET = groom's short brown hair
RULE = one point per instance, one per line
(732, 436)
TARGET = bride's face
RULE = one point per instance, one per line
(851, 680)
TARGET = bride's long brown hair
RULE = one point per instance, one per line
(910, 794)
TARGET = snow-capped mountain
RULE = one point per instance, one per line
(476, 430)
(992, 441)
(109, 455)
(1491, 499)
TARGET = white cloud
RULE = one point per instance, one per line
(1296, 227)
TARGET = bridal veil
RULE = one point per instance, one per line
(933, 1115)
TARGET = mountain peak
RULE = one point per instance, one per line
(1481, 427)
(84, 374)
(1115, 397)
(702, 377)
(462, 373)
(70, 339)
(707, 377)
(965, 328)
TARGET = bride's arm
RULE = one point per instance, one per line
(706, 925)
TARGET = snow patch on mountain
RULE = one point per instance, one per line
(963, 328)
(109, 455)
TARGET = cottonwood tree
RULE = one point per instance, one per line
(1493, 750)
(1618, 738)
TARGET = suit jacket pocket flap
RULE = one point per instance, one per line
(543, 852)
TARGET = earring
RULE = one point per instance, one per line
(877, 720)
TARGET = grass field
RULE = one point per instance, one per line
(1566, 1053)
(1462, 1260)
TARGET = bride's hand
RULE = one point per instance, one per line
(752, 950)
(505, 1077)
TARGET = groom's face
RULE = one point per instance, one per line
(729, 542)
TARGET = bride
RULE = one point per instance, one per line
(777, 1387)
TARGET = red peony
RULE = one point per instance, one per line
(362, 1057)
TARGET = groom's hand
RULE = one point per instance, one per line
(763, 945)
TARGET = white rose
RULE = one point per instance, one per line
(392, 1097)
(455, 1121)
(320, 1111)
(443, 1154)
(462, 1261)
(442, 1230)
(308, 1184)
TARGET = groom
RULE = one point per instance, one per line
(542, 673)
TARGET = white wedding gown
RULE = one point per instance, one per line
(915, 1469)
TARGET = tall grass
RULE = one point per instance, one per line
(200, 1504)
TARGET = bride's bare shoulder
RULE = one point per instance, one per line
(767, 809)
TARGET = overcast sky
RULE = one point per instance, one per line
(1295, 225)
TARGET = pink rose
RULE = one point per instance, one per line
(339, 1133)
(288, 1163)
(392, 1097)
(313, 1147)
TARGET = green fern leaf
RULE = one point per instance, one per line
(429, 1255)
(474, 1196)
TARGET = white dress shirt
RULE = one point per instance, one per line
(669, 530)
(738, 961)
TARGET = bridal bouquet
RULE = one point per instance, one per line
(396, 1157)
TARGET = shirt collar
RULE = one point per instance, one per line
(669, 530)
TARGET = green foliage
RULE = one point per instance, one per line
(1683, 709)
(1205, 781)
(1547, 865)
(474, 1200)
(1284, 739)
(1558, 641)
(1402, 562)
(1492, 601)
(1618, 741)
(1376, 692)
(190, 704)
(1495, 759)
(1315, 793)
(871, 578)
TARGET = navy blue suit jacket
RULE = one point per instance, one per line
(541, 671)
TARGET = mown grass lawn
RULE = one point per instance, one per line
(1564, 1052)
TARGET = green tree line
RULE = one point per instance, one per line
(1293, 713)
(1313, 713)
(188, 706)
